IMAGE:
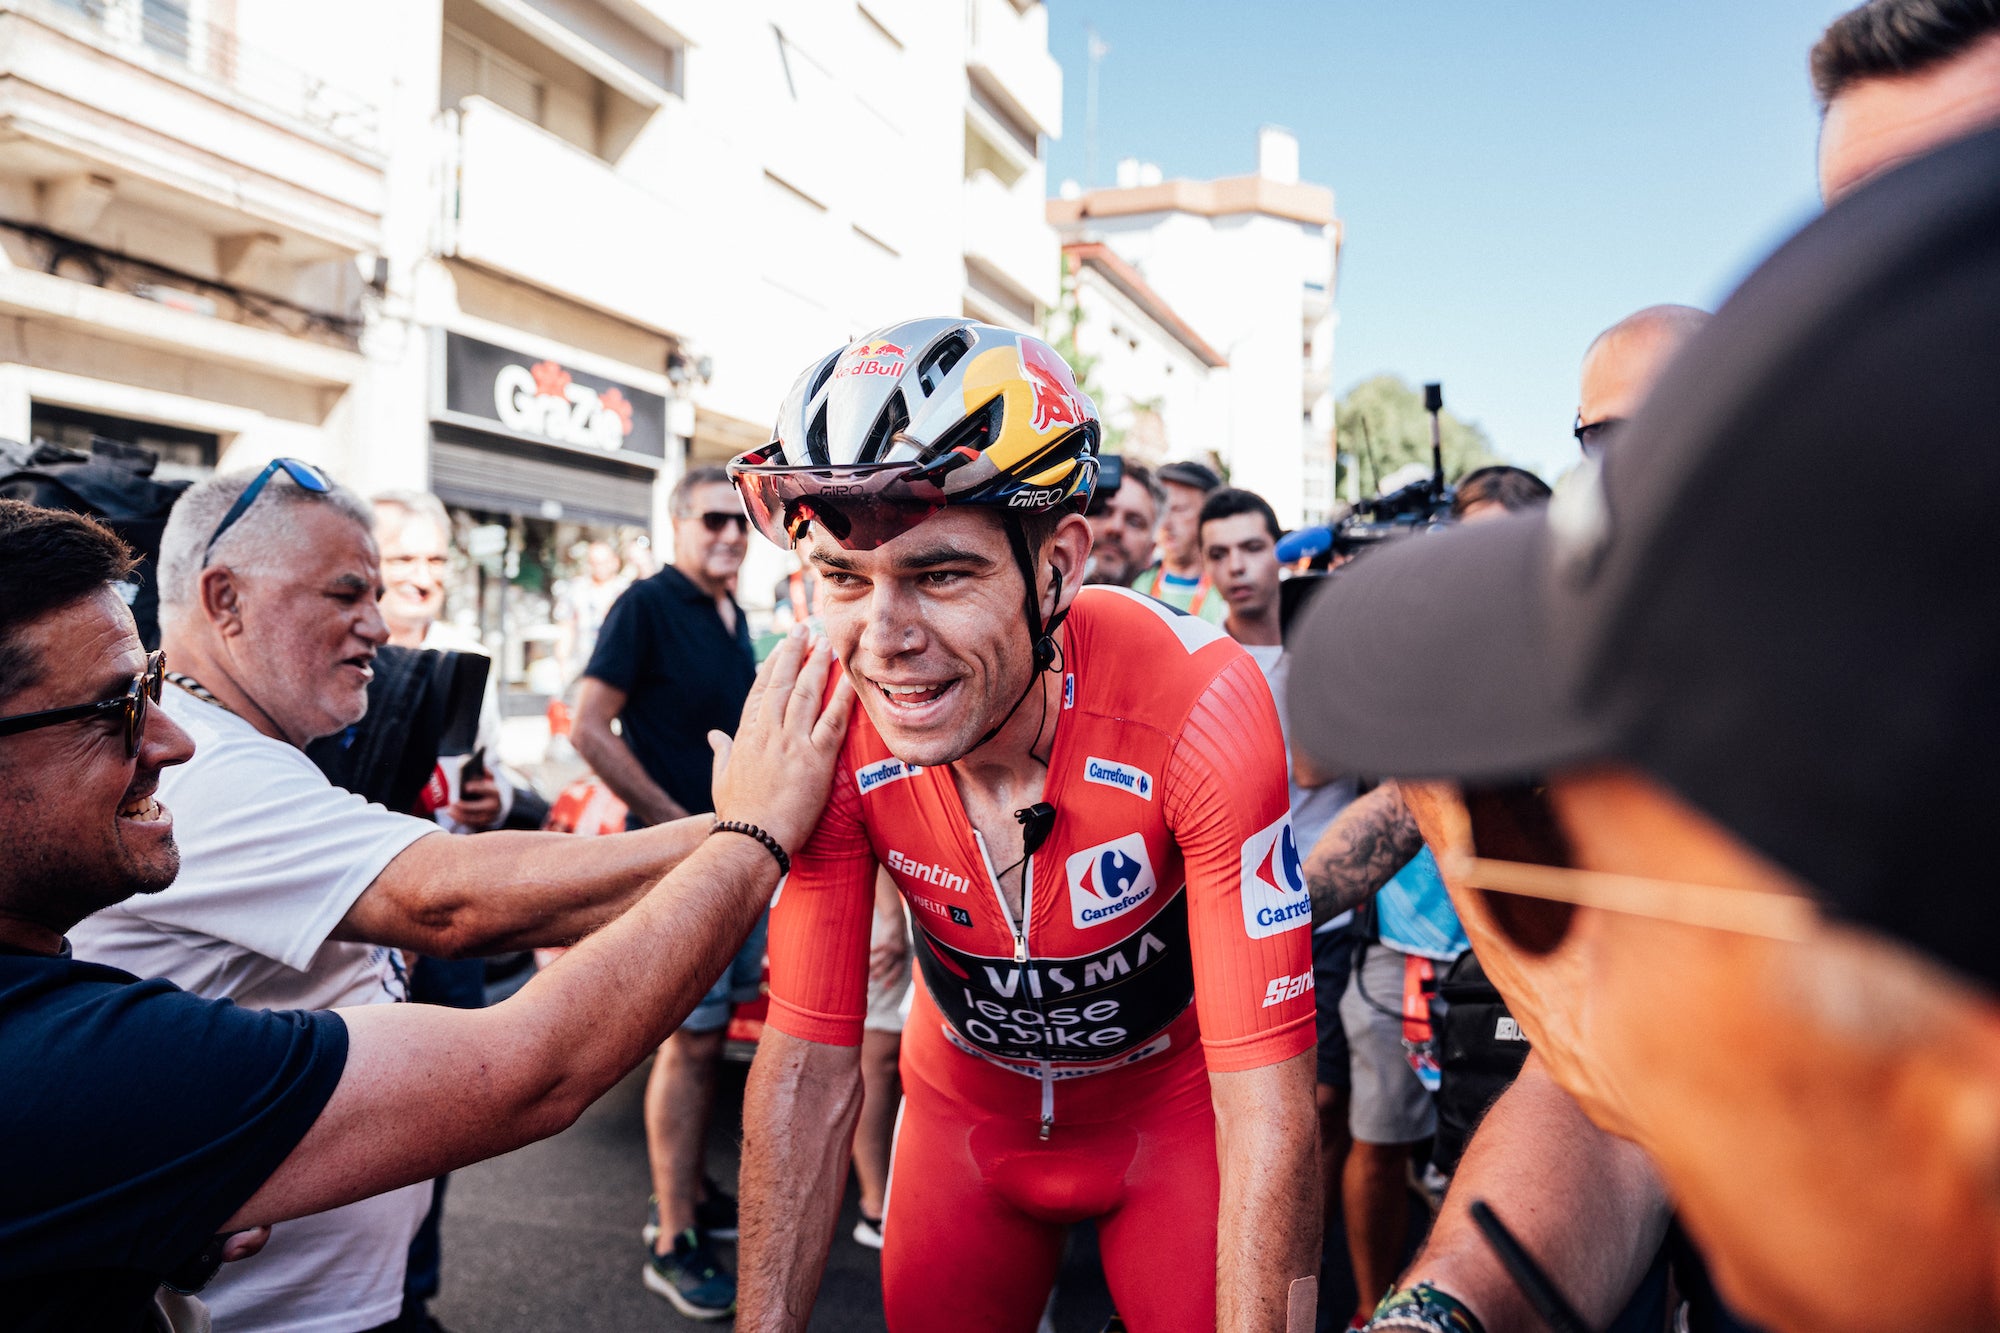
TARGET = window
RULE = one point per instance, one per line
(184, 455)
(473, 68)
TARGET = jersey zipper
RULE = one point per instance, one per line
(1020, 932)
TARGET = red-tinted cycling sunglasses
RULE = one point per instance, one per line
(861, 506)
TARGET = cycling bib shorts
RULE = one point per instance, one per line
(1056, 1066)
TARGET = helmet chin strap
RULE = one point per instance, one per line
(1041, 636)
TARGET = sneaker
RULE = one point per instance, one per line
(714, 1217)
(690, 1278)
(868, 1231)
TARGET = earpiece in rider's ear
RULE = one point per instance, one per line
(1045, 652)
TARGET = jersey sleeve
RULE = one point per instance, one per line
(1249, 915)
(820, 925)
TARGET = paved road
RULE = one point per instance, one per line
(547, 1238)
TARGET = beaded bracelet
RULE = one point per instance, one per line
(752, 831)
(1424, 1307)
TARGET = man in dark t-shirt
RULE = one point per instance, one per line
(140, 1123)
(673, 663)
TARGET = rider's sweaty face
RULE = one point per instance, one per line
(930, 628)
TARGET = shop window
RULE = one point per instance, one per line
(183, 455)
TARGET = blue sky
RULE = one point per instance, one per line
(1513, 176)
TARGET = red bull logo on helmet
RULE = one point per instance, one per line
(1056, 395)
(874, 357)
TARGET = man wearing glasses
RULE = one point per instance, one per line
(294, 894)
(142, 1123)
(1622, 363)
(1716, 812)
(672, 664)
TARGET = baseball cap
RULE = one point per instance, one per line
(1188, 473)
(1778, 594)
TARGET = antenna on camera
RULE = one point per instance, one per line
(1434, 404)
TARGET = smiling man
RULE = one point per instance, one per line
(294, 894)
(141, 1121)
(1081, 797)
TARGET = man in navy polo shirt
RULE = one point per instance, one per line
(673, 663)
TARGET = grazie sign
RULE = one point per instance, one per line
(538, 399)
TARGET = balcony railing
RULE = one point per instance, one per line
(167, 36)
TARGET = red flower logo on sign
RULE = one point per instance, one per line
(619, 406)
(1055, 388)
(550, 379)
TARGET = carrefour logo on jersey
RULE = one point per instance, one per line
(889, 770)
(1124, 777)
(1109, 880)
(1274, 883)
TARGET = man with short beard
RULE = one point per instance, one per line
(142, 1123)
(1121, 533)
(294, 894)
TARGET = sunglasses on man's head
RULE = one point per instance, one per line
(303, 475)
(1507, 843)
(1594, 435)
(133, 702)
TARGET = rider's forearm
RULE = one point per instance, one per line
(1268, 1222)
(798, 1129)
(1587, 1205)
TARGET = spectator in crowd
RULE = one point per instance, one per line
(1489, 492)
(1894, 78)
(881, 1046)
(294, 894)
(1617, 368)
(1771, 749)
(584, 601)
(155, 1119)
(1121, 532)
(413, 533)
(673, 663)
(1177, 577)
(1239, 539)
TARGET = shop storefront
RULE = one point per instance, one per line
(550, 474)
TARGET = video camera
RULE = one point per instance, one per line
(1420, 506)
(1110, 476)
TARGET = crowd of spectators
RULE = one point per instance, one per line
(207, 944)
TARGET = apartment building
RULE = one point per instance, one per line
(535, 255)
(1249, 264)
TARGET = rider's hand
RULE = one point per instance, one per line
(777, 771)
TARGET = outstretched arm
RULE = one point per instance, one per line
(1268, 1223)
(1361, 850)
(427, 1089)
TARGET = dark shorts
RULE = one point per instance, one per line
(1333, 961)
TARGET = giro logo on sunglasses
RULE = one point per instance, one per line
(1274, 882)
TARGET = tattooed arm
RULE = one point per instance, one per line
(1364, 846)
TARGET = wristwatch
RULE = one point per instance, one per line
(1423, 1307)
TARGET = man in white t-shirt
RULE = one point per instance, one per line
(1239, 535)
(294, 894)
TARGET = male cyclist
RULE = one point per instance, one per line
(1082, 799)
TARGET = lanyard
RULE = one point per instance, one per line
(1194, 603)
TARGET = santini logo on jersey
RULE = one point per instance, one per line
(1274, 884)
(889, 770)
(929, 874)
(1122, 776)
(1109, 880)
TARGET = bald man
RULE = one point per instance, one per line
(1621, 364)
(1895, 79)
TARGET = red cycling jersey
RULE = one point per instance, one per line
(1165, 937)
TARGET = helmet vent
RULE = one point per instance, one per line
(893, 421)
(969, 437)
(816, 438)
(937, 363)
